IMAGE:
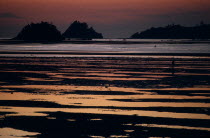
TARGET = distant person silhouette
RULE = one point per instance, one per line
(172, 68)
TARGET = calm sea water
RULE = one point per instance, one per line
(129, 48)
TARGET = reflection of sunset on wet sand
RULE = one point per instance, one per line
(145, 92)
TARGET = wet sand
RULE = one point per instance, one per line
(105, 97)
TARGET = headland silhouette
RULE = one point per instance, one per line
(201, 31)
(43, 31)
(78, 30)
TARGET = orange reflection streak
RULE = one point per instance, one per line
(25, 111)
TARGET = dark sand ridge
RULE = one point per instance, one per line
(75, 125)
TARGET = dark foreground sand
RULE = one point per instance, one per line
(104, 97)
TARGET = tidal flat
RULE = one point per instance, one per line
(105, 97)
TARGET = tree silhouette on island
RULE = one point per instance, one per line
(46, 32)
(201, 31)
(78, 30)
(39, 32)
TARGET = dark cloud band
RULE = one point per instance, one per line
(9, 15)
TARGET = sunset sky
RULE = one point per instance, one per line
(112, 18)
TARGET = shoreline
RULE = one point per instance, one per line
(112, 41)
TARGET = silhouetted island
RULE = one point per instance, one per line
(201, 31)
(78, 30)
(36, 32)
